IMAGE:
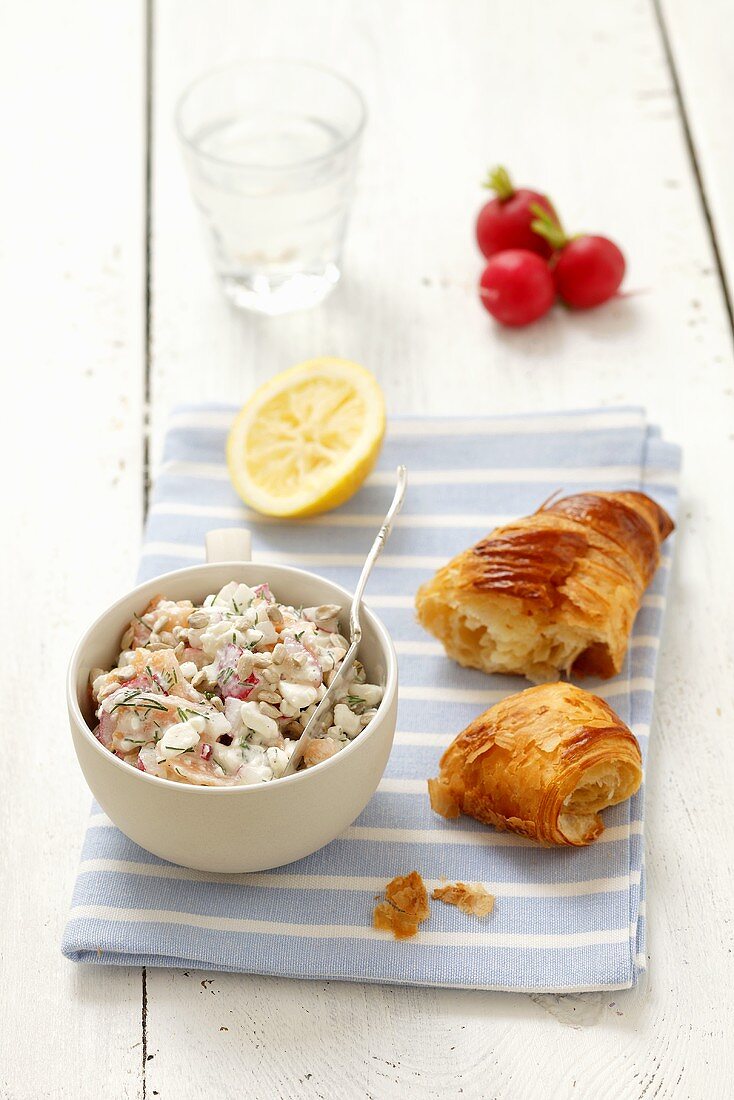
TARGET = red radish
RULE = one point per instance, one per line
(206, 751)
(516, 287)
(506, 221)
(587, 270)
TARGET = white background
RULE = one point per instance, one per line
(109, 314)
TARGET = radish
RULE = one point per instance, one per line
(587, 270)
(516, 287)
(506, 221)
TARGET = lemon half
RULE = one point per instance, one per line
(307, 439)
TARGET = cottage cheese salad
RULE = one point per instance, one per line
(218, 694)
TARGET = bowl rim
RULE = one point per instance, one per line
(252, 789)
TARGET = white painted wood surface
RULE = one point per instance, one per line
(581, 104)
(71, 304)
(701, 41)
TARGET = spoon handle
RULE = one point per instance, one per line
(375, 550)
(355, 629)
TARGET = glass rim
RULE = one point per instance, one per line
(245, 63)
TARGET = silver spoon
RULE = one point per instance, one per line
(355, 629)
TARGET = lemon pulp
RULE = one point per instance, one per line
(307, 439)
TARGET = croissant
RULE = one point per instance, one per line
(541, 763)
(554, 592)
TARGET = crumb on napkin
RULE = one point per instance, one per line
(474, 900)
(404, 908)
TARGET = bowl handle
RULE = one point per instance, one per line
(228, 544)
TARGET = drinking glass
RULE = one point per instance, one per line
(271, 151)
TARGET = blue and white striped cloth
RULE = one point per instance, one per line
(566, 919)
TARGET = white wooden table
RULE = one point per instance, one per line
(110, 314)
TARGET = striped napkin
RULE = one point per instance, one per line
(564, 920)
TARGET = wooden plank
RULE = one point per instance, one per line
(583, 105)
(700, 39)
(71, 278)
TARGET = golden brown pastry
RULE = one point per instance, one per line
(554, 592)
(474, 900)
(404, 908)
(541, 763)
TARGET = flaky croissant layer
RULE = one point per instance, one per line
(541, 763)
(552, 592)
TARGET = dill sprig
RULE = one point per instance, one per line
(185, 713)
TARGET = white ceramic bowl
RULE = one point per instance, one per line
(233, 829)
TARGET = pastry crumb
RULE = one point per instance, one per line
(404, 908)
(474, 900)
(442, 800)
